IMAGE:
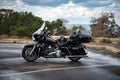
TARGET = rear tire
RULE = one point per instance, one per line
(74, 58)
(26, 54)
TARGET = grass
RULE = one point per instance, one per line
(118, 53)
(106, 41)
(93, 39)
(118, 41)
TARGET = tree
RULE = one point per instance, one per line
(11, 21)
(57, 24)
(25, 23)
(78, 27)
(104, 26)
(5, 20)
(118, 33)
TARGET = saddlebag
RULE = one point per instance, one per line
(84, 38)
(77, 50)
(74, 50)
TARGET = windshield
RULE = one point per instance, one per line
(40, 29)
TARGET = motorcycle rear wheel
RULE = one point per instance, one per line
(74, 58)
(27, 56)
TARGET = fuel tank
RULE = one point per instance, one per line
(49, 40)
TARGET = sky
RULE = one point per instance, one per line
(75, 11)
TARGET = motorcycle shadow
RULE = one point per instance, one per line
(56, 62)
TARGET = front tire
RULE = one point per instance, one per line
(27, 56)
(74, 58)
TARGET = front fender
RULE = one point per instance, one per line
(31, 46)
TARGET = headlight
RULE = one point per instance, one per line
(35, 37)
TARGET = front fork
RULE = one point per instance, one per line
(33, 49)
(38, 48)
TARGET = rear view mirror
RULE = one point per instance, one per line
(48, 32)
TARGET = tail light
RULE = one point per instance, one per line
(84, 46)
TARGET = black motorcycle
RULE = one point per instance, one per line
(48, 47)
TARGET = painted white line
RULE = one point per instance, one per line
(96, 51)
(11, 59)
(52, 69)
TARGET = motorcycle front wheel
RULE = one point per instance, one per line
(74, 58)
(27, 56)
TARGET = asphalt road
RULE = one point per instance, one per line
(95, 67)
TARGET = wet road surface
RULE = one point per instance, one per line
(95, 67)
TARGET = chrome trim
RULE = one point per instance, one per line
(32, 49)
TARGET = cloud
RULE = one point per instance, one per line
(75, 12)
(69, 10)
(50, 13)
(49, 1)
(13, 4)
(105, 1)
(115, 4)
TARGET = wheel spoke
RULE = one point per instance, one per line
(27, 56)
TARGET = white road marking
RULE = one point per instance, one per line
(52, 69)
(11, 59)
(97, 51)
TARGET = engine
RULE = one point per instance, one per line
(49, 48)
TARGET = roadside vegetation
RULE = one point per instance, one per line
(105, 26)
(23, 24)
(105, 33)
(106, 41)
(118, 41)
